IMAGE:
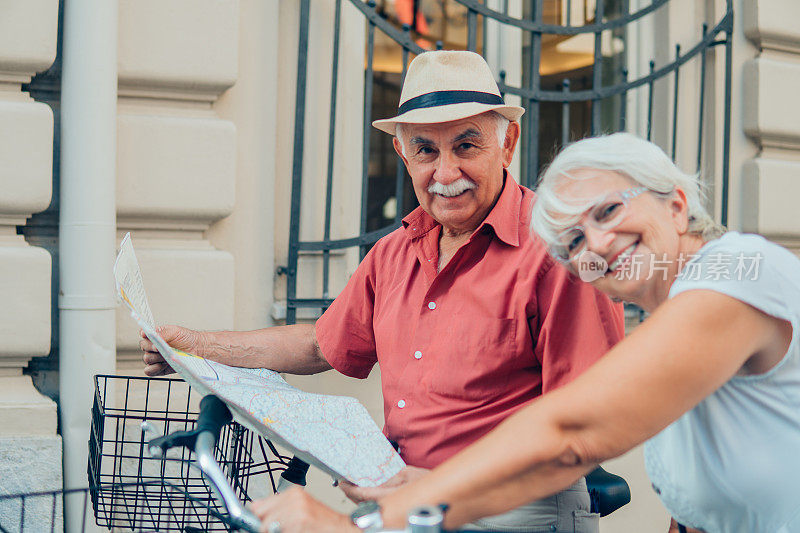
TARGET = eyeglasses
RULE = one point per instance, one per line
(604, 215)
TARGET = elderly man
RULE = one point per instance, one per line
(462, 308)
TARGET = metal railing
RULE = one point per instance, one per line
(534, 92)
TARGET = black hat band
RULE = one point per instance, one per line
(440, 98)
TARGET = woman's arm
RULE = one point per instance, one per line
(687, 349)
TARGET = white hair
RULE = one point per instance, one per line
(639, 160)
(501, 128)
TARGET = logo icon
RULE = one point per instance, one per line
(591, 266)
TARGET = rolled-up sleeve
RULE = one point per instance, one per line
(575, 326)
(345, 331)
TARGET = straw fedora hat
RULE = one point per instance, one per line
(444, 85)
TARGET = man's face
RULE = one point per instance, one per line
(457, 168)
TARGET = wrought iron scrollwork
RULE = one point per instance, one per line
(532, 92)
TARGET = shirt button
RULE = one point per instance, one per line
(417, 355)
(401, 404)
(431, 305)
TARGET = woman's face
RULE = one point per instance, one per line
(642, 250)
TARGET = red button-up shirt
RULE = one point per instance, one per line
(462, 349)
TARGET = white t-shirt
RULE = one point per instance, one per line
(732, 464)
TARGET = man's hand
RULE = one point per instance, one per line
(294, 511)
(360, 494)
(186, 340)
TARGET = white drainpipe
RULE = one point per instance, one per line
(87, 224)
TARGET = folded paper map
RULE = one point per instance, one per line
(333, 433)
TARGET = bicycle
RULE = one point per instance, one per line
(170, 505)
(170, 499)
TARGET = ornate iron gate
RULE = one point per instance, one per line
(534, 92)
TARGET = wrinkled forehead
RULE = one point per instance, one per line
(478, 125)
(571, 194)
(582, 186)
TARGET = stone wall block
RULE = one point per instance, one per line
(25, 313)
(770, 89)
(26, 152)
(28, 32)
(31, 464)
(23, 411)
(771, 188)
(189, 287)
(175, 169)
(772, 24)
(184, 49)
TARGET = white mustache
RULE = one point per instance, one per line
(452, 189)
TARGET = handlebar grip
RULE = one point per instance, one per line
(295, 472)
(213, 415)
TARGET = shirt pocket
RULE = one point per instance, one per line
(474, 358)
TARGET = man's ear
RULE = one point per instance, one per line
(510, 143)
(679, 209)
(399, 149)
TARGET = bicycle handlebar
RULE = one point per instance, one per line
(214, 414)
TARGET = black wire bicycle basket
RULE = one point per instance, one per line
(132, 491)
(38, 512)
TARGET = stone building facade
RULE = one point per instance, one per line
(204, 126)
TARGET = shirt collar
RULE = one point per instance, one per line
(504, 217)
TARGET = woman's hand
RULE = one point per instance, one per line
(294, 511)
(183, 339)
(360, 494)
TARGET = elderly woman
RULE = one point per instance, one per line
(711, 380)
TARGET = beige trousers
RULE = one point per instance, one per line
(565, 512)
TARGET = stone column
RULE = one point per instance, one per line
(30, 450)
(252, 105)
(176, 168)
(771, 119)
(176, 178)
